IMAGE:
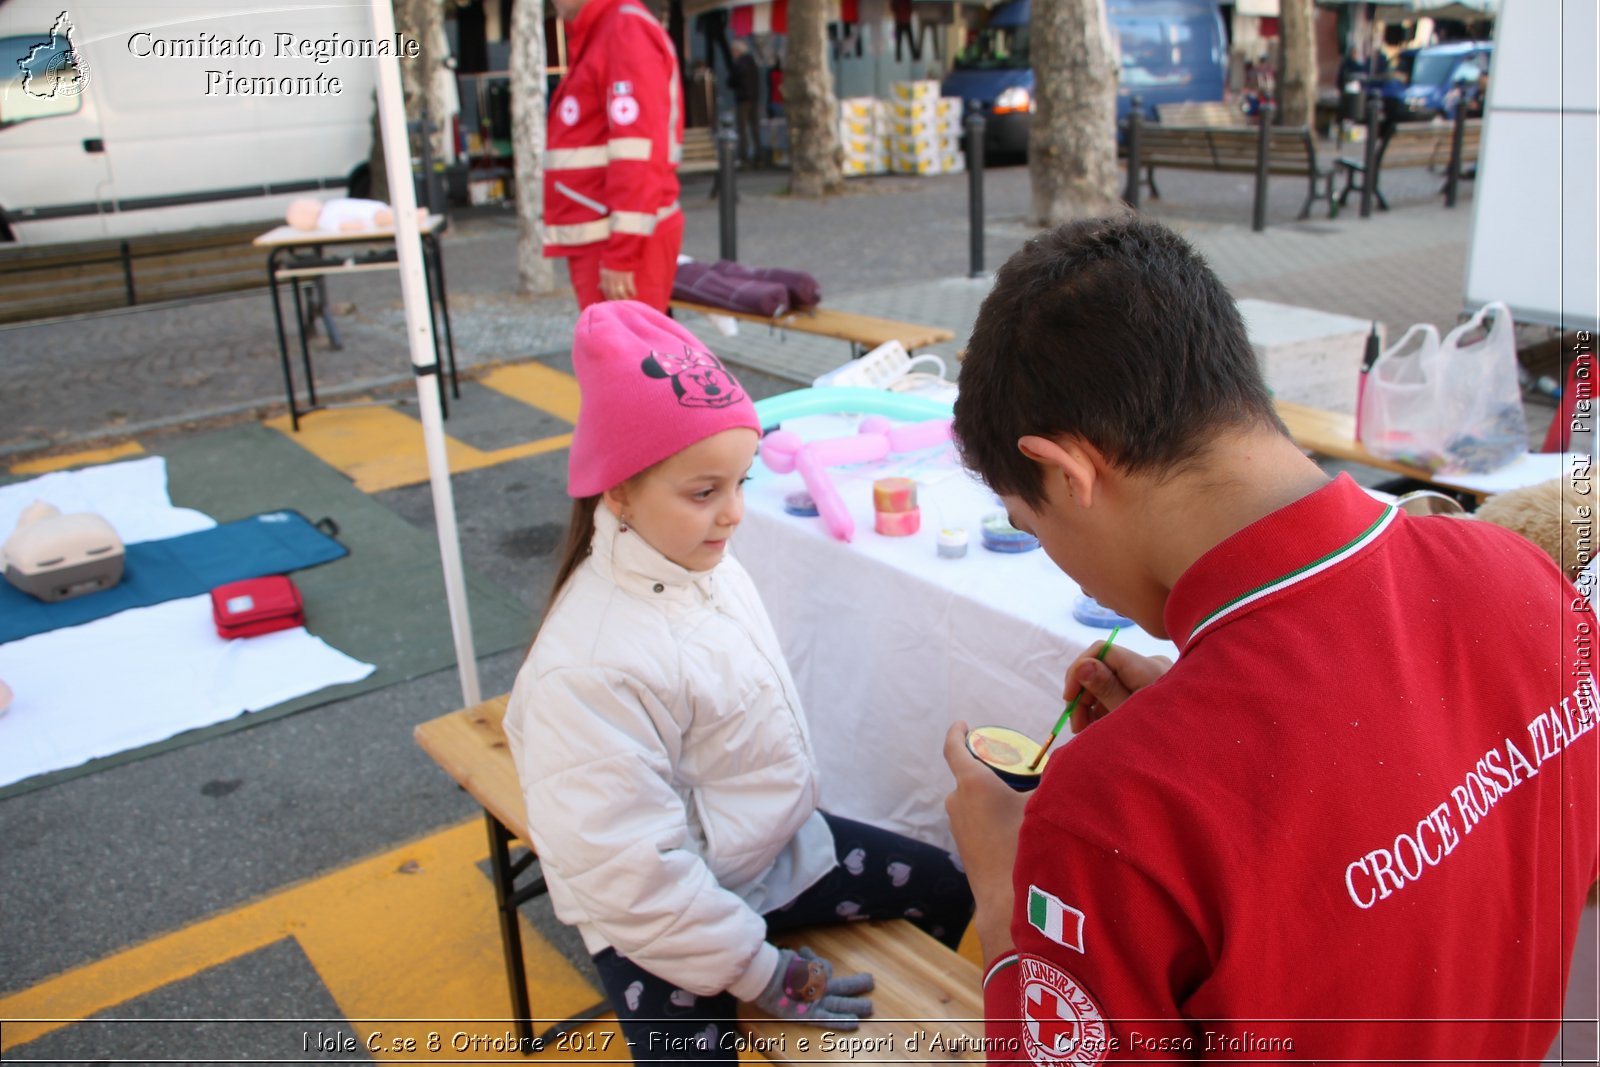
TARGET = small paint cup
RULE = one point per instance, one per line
(897, 523)
(800, 503)
(1000, 536)
(1007, 753)
(894, 494)
(952, 543)
(1091, 612)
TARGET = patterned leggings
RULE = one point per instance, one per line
(881, 875)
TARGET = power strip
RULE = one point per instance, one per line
(875, 370)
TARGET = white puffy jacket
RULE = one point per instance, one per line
(671, 787)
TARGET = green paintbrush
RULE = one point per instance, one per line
(1066, 713)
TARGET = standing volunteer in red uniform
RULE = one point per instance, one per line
(1356, 821)
(611, 162)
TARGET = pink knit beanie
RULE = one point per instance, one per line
(648, 389)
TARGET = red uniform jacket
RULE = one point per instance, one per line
(1355, 822)
(615, 137)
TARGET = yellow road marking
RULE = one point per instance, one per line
(537, 386)
(380, 448)
(79, 459)
(407, 934)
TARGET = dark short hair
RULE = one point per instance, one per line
(1113, 330)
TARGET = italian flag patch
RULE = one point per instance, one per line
(1061, 923)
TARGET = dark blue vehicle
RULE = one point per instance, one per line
(1438, 76)
(1170, 51)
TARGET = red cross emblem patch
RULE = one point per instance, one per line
(1062, 1026)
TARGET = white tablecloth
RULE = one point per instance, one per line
(889, 644)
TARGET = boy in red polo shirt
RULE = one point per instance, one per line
(1357, 819)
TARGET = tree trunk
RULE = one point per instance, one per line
(420, 78)
(1072, 140)
(423, 22)
(1297, 83)
(377, 167)
(535, 273)
(809, 103)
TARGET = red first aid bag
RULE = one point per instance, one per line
(256, 606)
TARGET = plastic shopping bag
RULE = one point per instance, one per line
(1448, 406)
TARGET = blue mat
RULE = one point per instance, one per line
(276, 542)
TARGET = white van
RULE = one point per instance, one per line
(120, 118)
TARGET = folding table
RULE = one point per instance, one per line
(296, 254)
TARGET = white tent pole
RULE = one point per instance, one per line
(424, 353)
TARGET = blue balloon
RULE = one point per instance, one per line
(849, 399)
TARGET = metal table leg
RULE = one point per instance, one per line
(431, 245)
(433, 329)
(305, 349)
(283, 340)
(507, 899)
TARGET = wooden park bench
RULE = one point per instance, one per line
(1200, 113)
(1291, 150)
(1411, 145)
(86, 276)
(923, 988)
(864, 332)
(699, 151)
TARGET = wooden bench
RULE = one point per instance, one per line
(700, 156)
(699, 151)
(88, 276)
(864, 332)
(1201, 113)
(1333, 434)
(922, 987)
(1291, 150)
(1411, 145)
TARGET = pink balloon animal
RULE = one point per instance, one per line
(783, 451)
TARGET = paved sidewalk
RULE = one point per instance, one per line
(891, 246)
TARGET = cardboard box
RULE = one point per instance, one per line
(915, 90)
(855, 168)
(860, 108)
(1307, 356)
(926, 144)
(860, 147)
(924, 162)
(943, 126)
(898, 165)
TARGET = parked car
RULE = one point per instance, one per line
(1437, 78)
(1169, 51)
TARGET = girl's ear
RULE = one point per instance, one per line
(616, 499)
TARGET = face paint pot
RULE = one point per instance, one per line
(1000, 536)
(1007, 753)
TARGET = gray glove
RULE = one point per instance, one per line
(803, 989)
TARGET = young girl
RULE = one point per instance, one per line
(670, 782)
